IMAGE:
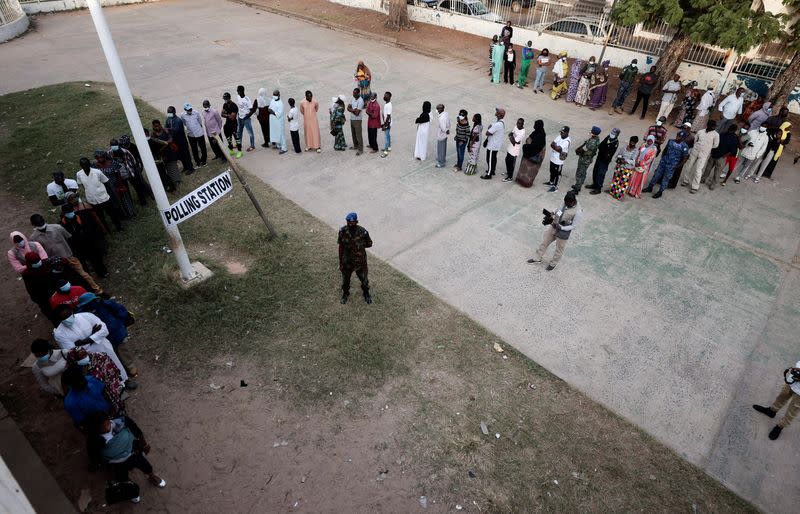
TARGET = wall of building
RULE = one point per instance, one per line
(45, 6)
(13, 20)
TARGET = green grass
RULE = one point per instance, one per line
(431, 362)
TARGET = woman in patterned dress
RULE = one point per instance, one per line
(645, 158)
(474, 145)
(337, 124)
(117, 180)
(687, 112)
(586, 81)
(574, 78)
(626, 161)
(101, 367)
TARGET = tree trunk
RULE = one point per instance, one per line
(398, 15)
(784, 84)
(672, 56)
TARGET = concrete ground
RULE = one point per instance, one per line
(676, 313)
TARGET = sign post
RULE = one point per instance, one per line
(187, 271)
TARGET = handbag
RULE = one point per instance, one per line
(121, 491)
(333, 132)
(538, 158)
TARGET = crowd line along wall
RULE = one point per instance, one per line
(722, 80)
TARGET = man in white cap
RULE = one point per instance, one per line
(790, 393)
(194, 131)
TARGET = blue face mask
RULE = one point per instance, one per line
(36, 264)
(69, 215)
(65, 288)
(43, 359)
(114, 148)
(84, 361)
(170, 114)
(69, 321)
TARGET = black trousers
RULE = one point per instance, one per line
(183, 155)
(555, 172)
(265, 131)
(508, 72)
(136, 461)
(95, 258)
(645, 99)
(372, 138)
(295, 140)
(143, 191)
(109, 208)
(199, 143)
(599, 174)
(511, 162)
(214, 142)
(491, 162)
(362, 276)
(231, 132)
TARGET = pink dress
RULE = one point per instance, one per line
(647, 155)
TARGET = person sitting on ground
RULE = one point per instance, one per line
(121, 444)
(50, 364)
(86, 330)
(57, 189)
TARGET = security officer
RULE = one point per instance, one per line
(353, 241)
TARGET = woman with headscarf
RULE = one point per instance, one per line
(688, 108)
(575, 73)
(599, 90)
(100, 366)
(778, 139)
(560, 71)
(757, 118)
(474, 145)
(752, 107)
(587, 79)
(337, 124)
(261, 103)
(532, 155)
(117, 181)
(498, 52)
(364, 80)
(644, 159)
(423, 122)
(626, 161)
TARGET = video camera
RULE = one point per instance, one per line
(791, 375)
(548, 217)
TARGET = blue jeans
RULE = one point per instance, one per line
(387, 134)
(247, 123)
(622, 93)
(461, 149)
(538, 83)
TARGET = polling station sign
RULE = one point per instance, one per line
(198, 199)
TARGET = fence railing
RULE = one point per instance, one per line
(10, 11)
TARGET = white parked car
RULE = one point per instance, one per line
(576, 26)
(470, 8)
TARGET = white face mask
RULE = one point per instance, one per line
(762, 129)
(83, 362)
(21, 244)
(69, 321)
(206, 109)
(659, 123)
(612, 136)
(41, 228)
(743, 130)
(170, 114)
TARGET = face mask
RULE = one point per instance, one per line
(114, 148)
(659, 123)
(612, 136)
(43, 359)
(69, 321)
(65, 288)
(762, 129)
(36, 264)
(276, 98)
(170, 114)
(743, 131)
(769, 111)
(206, 109)
(42, 228)
(69, 215)
(459, 117)
(21, 244)
(83, 362)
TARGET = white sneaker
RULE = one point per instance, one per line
(136, 500)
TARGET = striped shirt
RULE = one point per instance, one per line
(462, 132)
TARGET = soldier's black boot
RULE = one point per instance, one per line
(367, 297)
(344, 298)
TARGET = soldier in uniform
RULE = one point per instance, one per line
(353, 241)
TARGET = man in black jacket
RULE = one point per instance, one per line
(605, 154)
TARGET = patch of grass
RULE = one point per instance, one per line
(557, 451)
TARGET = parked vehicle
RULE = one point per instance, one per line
(423, 3)
(524, 4)
(470, 8)
(576, 26)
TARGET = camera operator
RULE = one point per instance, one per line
(562, 223)
(789, 394)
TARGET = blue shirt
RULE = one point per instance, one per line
(673, 153)
(82, 404)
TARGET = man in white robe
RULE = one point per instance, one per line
(277, 131)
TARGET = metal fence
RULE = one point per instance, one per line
(585, 20)
(10, 11)
(767, 62)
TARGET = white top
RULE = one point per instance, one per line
(357, 103)
(756, 146)
(509, 55)
(796, 386)
(48, 375)
(54, 189)
(292, 117)
(564, 143)
(444, 126)
(731, 106)
(244, 104)
(81, 328)
(387, 111)
(670, 89)
(495, 138)
(558, 68)
(519, 136)
(543, 60)
(93, 185)
(705, 103)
